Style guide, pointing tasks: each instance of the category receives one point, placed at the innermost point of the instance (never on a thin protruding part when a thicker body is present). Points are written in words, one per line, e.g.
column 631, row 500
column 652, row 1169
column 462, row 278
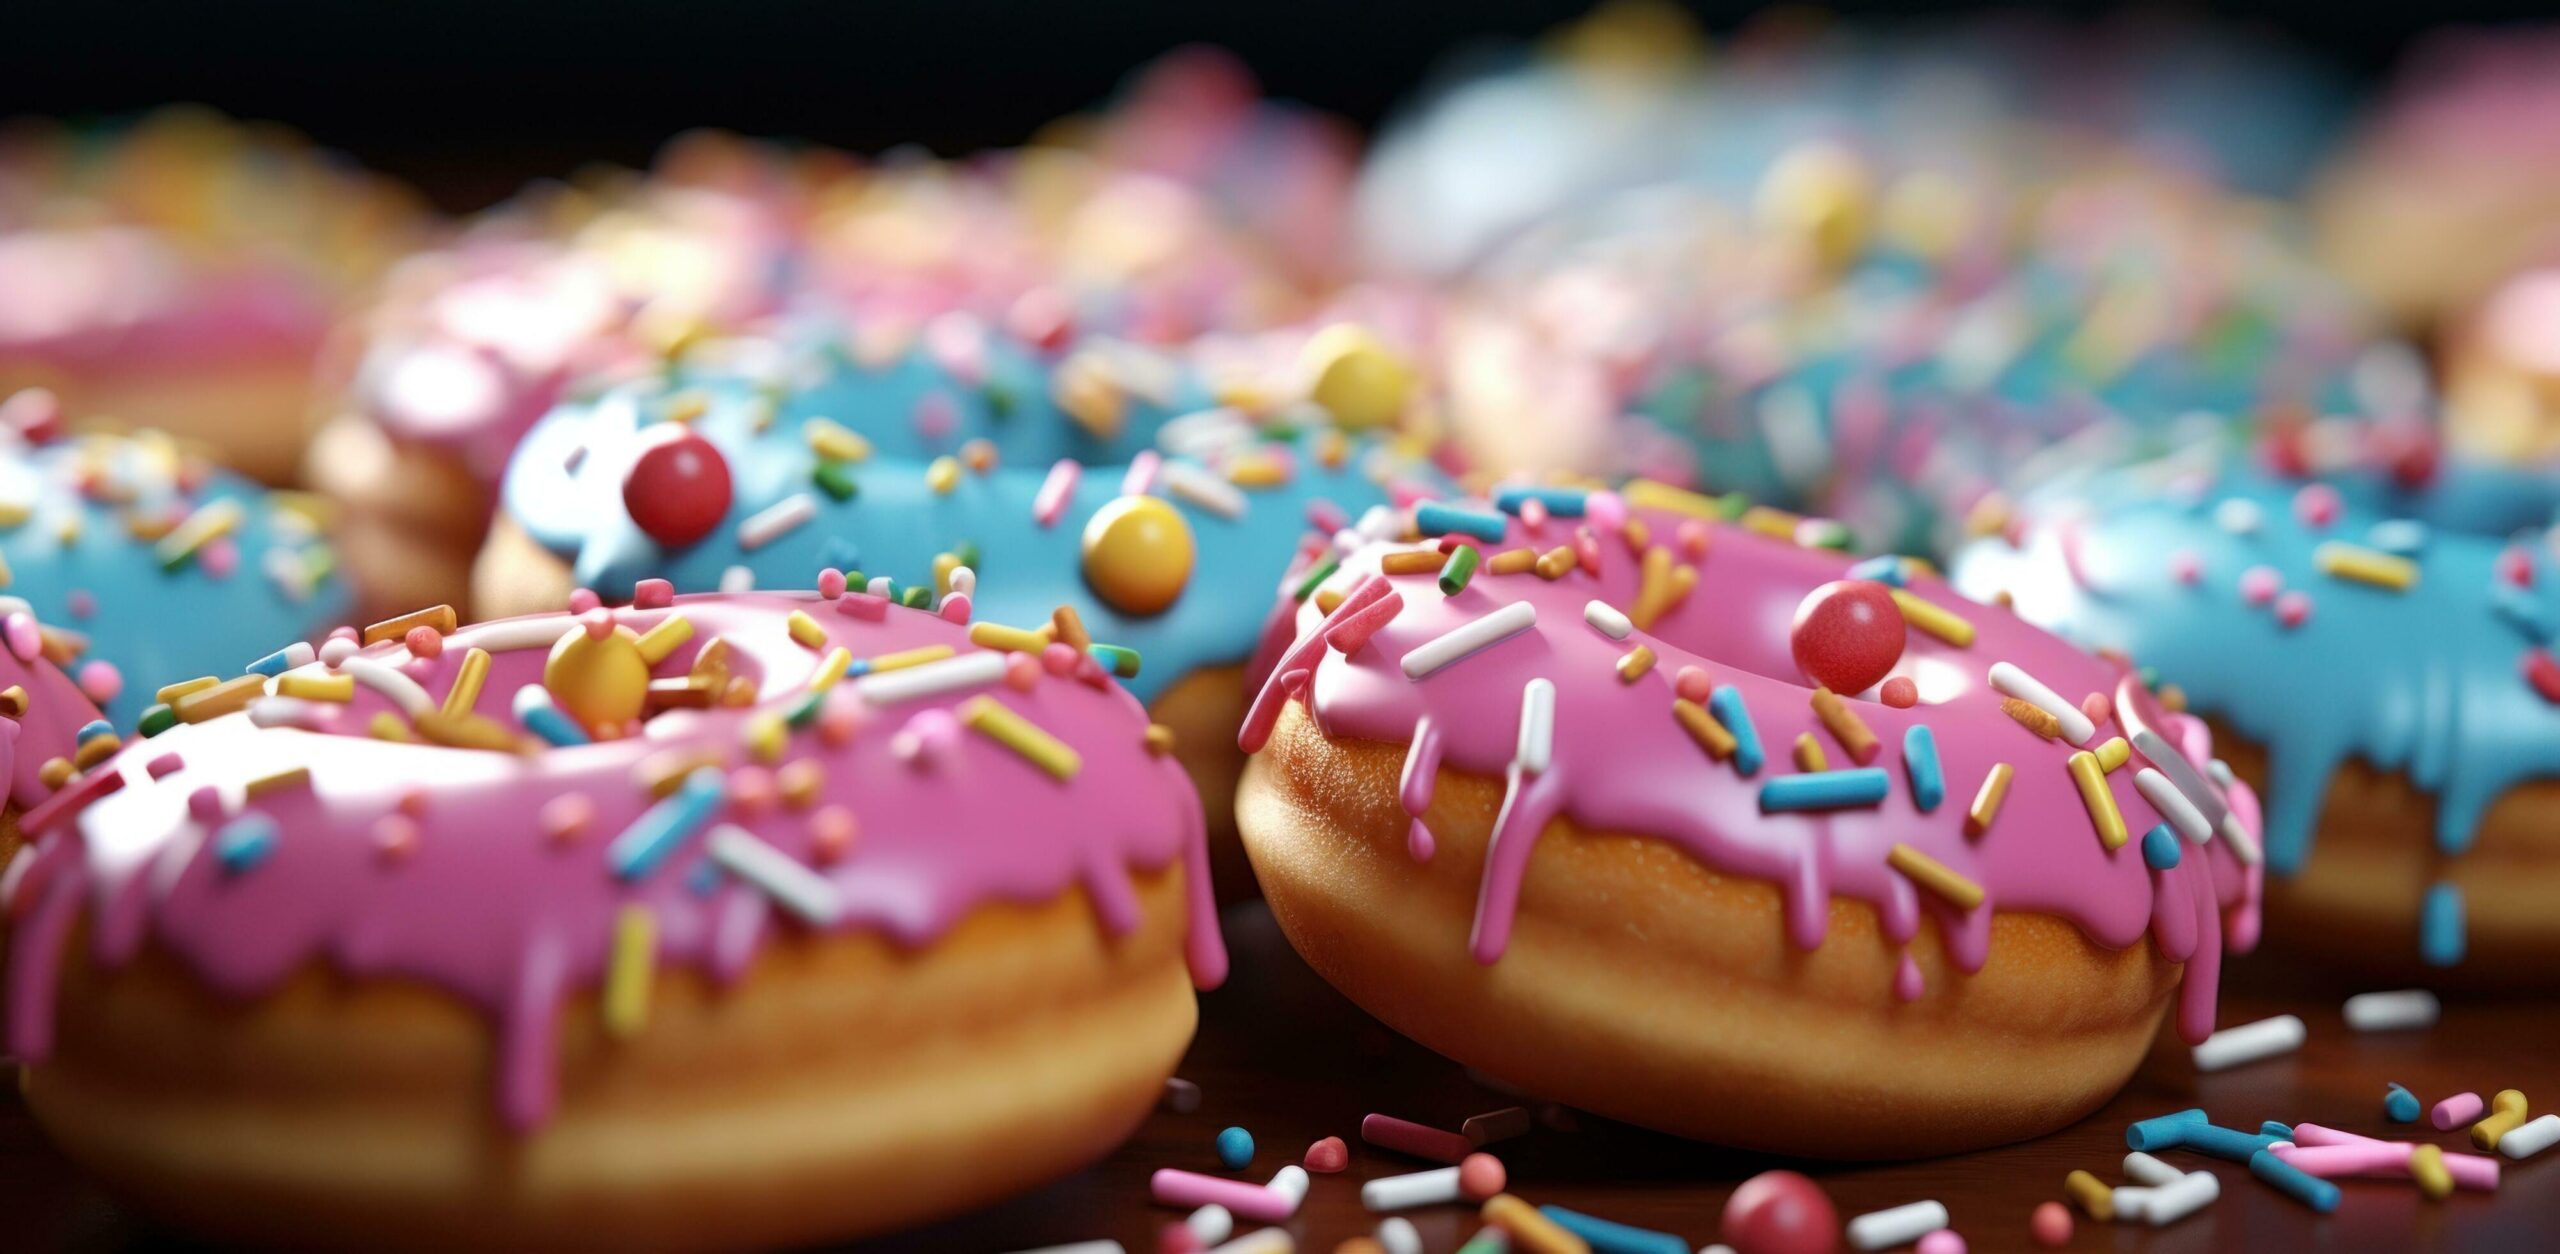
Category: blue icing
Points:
column 2425, row 681
column 898, row 525
column 156, row 626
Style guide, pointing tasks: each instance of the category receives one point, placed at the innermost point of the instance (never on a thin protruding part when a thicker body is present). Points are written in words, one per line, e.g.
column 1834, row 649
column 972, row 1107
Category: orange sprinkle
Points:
column 1809, row 756
column 1413, row 562
column 2032, row 718
column 440, row 617
column 1633, row 666
column 1703, row 727
column 1845, row 726
column 1513, row 561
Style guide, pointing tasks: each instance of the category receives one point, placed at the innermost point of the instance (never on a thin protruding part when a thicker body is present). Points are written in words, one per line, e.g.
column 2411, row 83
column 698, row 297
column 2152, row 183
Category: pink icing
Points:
column 1620, row 761
column 449, row 866
column 50, row 727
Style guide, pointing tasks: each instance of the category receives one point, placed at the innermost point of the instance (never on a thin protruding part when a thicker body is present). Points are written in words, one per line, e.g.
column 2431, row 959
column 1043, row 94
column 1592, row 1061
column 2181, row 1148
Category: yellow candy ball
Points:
column 1357, row 379
column 602, row 682
column 1137, row 554
column 1822, row 194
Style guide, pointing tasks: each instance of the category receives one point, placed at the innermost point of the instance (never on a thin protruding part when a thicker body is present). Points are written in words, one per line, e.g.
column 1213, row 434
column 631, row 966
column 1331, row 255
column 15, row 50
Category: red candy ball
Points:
column 1847, row 635
column 1780, row 1212
column 678, row 488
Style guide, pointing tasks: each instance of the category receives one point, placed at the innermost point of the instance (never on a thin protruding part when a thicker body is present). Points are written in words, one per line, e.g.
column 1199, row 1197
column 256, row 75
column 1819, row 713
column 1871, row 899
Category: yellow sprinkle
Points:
column 1413, row 562
column 2508, row 1112
column 219, row 699
column 6, row 578
column 687, row 406
column 467, row 678
column 2033, row 717
column 1159, row 739
column 1809, row 756
column 440, row 617
column 14, row 514
column 978, row 455
column 54, row 773
column 1988, row 517
column 2092, row 1194
column 765, row 734
column 1844, row 725
column 1986, row 801
column 387, row 726
column 1010, row 639
column 660, row 773
column 943, row 565
column 465, row 731
column 2113, row 754
column 13, row 701
column 1704, row 728
column 279, row 781
column 669, row 635
column 1777, row 524
column 1328, row 599
column 313, row 686
column 1257, row 472
column 626, row 981
column 1530, row 1229
column 1934, row 875
column 211, row 521
column 835, row 441
column 905, row 658
column 1651, row 494
column 2100, row 800
column 1556, row 563
column 1933, row 619
column 1638, row 536
column 1633, row 666
column 988, row 717
column 2426, row 1166
column 942, row 475
column 806, row 629
column 2354, row 561
column 93, row 751
column 831, row 671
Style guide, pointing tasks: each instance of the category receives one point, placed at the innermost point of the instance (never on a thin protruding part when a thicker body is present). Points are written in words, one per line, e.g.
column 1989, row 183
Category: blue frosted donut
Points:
column 169, row 568
column 2345, row 620
column 900, row 464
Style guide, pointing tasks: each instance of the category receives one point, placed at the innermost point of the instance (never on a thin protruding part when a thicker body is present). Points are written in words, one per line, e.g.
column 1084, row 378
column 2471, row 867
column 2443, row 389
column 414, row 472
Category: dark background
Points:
column 468, row 98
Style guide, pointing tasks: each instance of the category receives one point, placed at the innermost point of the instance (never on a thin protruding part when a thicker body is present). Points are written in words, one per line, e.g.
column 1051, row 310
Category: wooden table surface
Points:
column 1284, row 1056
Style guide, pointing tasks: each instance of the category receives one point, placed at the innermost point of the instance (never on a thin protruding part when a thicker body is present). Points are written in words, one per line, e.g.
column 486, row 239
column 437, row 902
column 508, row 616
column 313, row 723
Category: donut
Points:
column 148, row 566
column 1589, row 825
column 49, row 730
column 1101, row 475
column 724, row 921
column 183, row 272
column 2369, row 631
column 470, row 343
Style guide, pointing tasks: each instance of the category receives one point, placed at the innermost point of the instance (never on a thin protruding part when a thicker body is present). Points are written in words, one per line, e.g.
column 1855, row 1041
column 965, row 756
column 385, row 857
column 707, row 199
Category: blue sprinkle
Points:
column 1434, row 518
column 2160, row 847
column 704, row 879
column 2294, row 1182
column 2404, row 536
column 1726, row 704
column 1561, row 502
column 2278, row 1130
column 1887, row 569
column 2520, row 610
column 2400, row 1105
column 272, row 665
column 554, row 727
column 1235, row 1148
column 2162, row 1132
column 1607, row 1237
column 1823, row 790
column 2221, row 1142
column 2440, row 926
column 661, row 827
column 1920, row 762
column 245, row 842
column 93, row 729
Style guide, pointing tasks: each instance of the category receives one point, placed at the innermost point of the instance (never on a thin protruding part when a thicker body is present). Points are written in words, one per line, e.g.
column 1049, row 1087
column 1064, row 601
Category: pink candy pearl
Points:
column 2259, row 584
column 1059, row 658
column 1693, row 684
column 2051, row 1225
column 582, row 600
column 2293, row 609
column 1021, row 672
column 1943, row 1241
column 955, row 608
column 2099, row 708
column 831, row 583
column 2185, row 566
column 2317, row 505
column 1533, row 513
column 83, row 603
column 100, row 681
column 425, row 642
column 1606, row 510
column 25, row 641
column 219, row 557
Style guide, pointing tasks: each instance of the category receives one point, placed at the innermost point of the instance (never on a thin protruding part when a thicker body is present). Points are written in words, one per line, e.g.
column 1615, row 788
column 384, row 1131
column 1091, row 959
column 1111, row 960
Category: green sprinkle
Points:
column 967, row 552
column 1122, row 661
column 1734, row 505
column 916, row 597
column 835, row 479
column 1460, row 568
column 1001, row 401
column 1323, row 571
column 157, row 719
column 805, row 710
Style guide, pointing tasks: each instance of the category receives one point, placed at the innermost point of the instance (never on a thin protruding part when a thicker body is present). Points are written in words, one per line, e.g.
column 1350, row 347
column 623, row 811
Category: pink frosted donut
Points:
column 1756, row 913
column 731, row 921
column 50, row 731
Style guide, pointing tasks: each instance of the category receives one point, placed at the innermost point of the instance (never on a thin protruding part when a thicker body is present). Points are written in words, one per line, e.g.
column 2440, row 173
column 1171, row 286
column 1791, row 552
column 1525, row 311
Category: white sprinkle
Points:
column 2204, row 797
column 2242, row 842
column 1422, row 1188
column 964, row 581
column 396, row 687
column 2250, row 1042
column 881, row 586
column 1140, row 478
column 737, row 579
column 2142, row 1168
column 2172, row 805
column 2535, row 1136
column 774, row 521
column 2010, row 681
column 335, row 651
column 792, row 886
column 1606, row 619
column 299, row 653
column 932, row 679
column 509, row 635
column 2391, row 1012
column 1050, row 502
column 2170, row 1202
column 1380, row 523
column 1466, row 638
column 2238, row 516
column 1902, row 1225
column 1203, row 432
column 284, row 712
column 1201, row 488
column 1291, row 1182
column 1210, row 1224
column 1399, row 1237
column 1537, row 726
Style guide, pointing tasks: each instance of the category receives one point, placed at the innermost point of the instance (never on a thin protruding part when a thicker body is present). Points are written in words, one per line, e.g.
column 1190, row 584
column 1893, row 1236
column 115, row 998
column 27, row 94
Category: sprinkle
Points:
column 1931, row 874
column 942, row 474
column 1536, row 747
column 1726, row 703
column 171, row 693
column 1187, row 1189
column 987, row 635
column 2160, row 847
column 1355, row 628
column 1450, row 646
column 1556, row 563
column 2392, row 1012
column 211, row 521
column 1606, row 619
column 523, row 633
column 831, row 669
column 1413, row 562
column 1651, row 494
column 2098, row 798
column 1187, row 482
column 626, row 981
column 1435, row 518
column 2091, row 1195
column 2341, row 560
column 2248, row 1043
column 245, row 842
column 440, row 617
column 1635, row 664
column 1561, row 502
column 1902, row 1225
column 2529, row 1139
column 1933, row 619
column 1419, row 1140
column 2011, row 681
column 1830, row 790
column 2294, row 1182
column 216, row 700
column 835, row 442
column 1050, row 503
column 467, row 679
column 1886, row 569
column 671, row 633
column 1845, row 726
column 988, row 717
column 1702, row 727
column 2454, row 1111
column 2441, row 940
column 1315, row 577
column 296, row 654
column 534, row 709
column 1514, row 561
column 651, row 837
column 305, row 686
column 1460, row 567
column 904, row 659
column 776, row 520
column 1920, row 763
column 2507, row 1112
column 1069, row 627
column 806, row 630
column 809, row 896
column 1809, row 755
column 1610, row 1237
column 1496, row 1125
column 393, row 684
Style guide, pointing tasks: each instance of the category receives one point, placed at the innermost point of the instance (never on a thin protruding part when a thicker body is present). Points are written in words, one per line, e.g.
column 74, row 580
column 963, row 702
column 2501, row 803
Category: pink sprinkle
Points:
column 425, row 642
column 1059, row 658
column 863, row 605
column 1900, row 693
column 958, row 344
column 1021, row 672
column 652, row 594
column 2317, row 504
column 1326, row 517
column 204, row 805
column 100, row 681
column 2099, row 709
column 1352, row 631
column 165, row 765
column 1943, row 1241
column 2259, row 584
column 598, row 623
column 582, row 600
column 2186, row 566
column 2293, row 609
column 82, row 603
column 1533, row 513
column 955, row 608
column 1187, row 1190
column 2515, row 565
column 1586, row 551
column 1050, row 502
column 831, row 583
column 2457, row 1110
column 219, row 557
column 1407, row 1137
column 1328, row 1156
column 566, row 815
column 1606, row 510
column 1141, row 476
column 1693, row 684
column 25, row 641
column 926, row 738
column 936, row 414
column 750, row 790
